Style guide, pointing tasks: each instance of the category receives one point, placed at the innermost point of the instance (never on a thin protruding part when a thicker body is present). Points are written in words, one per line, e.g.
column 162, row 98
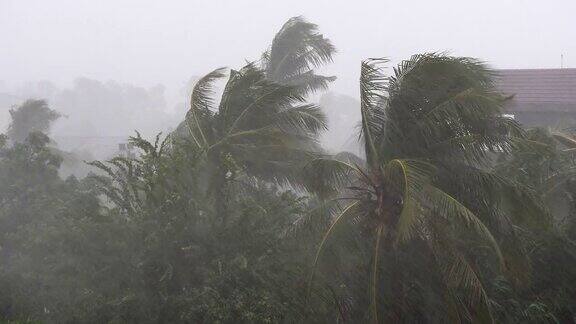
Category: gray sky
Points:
column 149, row 42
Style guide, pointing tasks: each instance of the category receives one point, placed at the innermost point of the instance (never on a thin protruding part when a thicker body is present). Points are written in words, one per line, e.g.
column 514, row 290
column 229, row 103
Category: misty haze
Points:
column 259, row 161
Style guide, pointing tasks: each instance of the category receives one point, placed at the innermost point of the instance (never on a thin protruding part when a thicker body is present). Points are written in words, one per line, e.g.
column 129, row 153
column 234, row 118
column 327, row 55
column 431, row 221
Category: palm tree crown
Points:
column 428, row 131
column 297, row 49
column 262, row 126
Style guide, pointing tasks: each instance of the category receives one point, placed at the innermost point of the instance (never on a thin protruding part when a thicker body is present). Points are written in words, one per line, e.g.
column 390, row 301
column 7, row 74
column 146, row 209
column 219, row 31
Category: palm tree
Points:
column 430, row 132
column 259, row 129
column 262, row 127
column 297, row 49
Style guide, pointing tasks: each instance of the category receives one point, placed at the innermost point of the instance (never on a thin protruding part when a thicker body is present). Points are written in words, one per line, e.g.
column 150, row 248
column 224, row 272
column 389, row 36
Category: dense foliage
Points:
column 454, row 213
column 31, row 116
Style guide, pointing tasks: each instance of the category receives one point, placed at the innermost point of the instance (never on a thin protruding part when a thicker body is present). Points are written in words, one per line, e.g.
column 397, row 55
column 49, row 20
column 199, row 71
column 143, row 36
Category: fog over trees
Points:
column 260, row 192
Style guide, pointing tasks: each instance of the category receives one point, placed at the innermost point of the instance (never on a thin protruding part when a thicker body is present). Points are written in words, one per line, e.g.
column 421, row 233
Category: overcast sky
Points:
column 150, row 42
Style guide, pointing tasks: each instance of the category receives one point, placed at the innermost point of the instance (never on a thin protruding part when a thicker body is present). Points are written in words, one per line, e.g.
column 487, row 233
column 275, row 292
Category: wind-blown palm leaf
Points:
column 437, row 99
column 565, row 139
column 410, row 178
column 372, row 88
column 201, row 103
column 459, row 273
column 297, row 49
column 345, row 212
column 310, row 82
column 308, row 118
column 326, row 177
column 450, row 208
column 254, row 96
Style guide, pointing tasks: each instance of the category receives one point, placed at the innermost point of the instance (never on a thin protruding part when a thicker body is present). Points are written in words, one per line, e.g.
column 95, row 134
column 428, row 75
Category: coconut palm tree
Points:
column 259, row 129
column 262, row 127
column 297, row 49
column 424, row 191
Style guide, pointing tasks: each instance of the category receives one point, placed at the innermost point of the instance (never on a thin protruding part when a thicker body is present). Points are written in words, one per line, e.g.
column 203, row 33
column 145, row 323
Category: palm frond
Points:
column 201, row 103
column 326, row 177
column 565, row 139
column 372, row 93
column 306, row 119
column 309, row 82
column 448, row 207
column 410, row 177
column 345, row 212
column 297, row 48
column 270, row 99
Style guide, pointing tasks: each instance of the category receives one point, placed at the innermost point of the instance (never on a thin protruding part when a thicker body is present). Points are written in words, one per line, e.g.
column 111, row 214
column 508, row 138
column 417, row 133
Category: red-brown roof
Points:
column 539, row 89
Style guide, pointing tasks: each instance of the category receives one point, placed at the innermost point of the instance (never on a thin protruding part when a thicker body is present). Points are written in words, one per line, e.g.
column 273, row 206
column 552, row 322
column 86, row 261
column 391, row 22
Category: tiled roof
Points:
column 539, row 89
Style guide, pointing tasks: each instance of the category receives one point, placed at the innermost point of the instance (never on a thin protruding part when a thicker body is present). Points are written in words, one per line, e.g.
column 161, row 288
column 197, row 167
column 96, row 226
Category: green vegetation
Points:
column 453, row 214
column 31, row 116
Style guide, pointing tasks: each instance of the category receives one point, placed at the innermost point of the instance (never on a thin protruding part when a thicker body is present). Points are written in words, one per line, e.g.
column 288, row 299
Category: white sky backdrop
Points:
column 149, row 42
